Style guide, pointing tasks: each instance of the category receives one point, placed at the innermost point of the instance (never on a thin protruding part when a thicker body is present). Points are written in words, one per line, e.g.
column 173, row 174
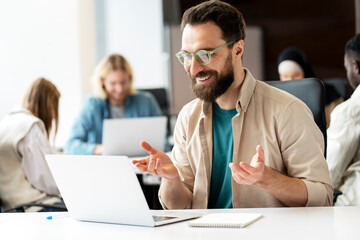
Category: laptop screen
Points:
column 122, row 136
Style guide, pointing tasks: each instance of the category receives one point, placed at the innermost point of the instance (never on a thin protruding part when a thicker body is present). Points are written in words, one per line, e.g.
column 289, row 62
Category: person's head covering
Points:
column 289, row 66
column 297, row 56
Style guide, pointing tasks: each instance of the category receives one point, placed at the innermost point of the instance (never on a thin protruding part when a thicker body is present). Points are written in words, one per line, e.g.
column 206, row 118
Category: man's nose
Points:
column 194, row 67
column 119, row 87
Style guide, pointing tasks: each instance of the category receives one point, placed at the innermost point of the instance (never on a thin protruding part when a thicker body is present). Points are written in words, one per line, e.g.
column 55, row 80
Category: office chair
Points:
column 339, row 85
column 161, row 97
column 22, row 207
column 311, row 91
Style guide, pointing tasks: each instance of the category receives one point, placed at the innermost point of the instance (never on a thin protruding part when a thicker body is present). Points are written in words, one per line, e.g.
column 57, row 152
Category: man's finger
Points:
column 239, row 179
column 148, row 148
column 151, row 165
column 158, row 166
column 238, row 169
column 260, row 153
column 140, row 167
column 246, row 168
column 141, row 161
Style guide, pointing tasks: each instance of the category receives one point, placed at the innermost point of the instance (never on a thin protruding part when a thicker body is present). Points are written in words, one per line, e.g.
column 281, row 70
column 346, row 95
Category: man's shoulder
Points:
column 264, row 91
column 190, row 111
column 93, row 101
column 350, row 109
column 139, row 94
column 93, row 105
column 274, row 96
column 192, row 106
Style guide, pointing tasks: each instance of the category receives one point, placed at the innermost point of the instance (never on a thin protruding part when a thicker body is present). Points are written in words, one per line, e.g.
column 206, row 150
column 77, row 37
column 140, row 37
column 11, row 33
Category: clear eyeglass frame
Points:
column 202, row 56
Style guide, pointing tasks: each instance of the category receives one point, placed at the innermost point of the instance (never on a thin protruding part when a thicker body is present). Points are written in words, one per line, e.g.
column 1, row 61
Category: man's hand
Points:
column 98, row 150
column 289, row 190
column 157, row 164
column 250, row 174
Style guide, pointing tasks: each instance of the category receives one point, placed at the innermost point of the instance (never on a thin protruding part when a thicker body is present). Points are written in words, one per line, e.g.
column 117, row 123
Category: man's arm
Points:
column 291, row 191
column 174, row 193
column 342, row 142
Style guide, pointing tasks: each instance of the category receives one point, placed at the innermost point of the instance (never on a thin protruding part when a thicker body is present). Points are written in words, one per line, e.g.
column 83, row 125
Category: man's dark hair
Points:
column 352, row 47
column 227, row 17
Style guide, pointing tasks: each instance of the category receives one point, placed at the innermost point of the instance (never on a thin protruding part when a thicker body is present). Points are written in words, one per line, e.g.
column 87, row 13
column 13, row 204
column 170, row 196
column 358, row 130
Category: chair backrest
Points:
column 161, row 97
column 339, row 85
column 312, row 92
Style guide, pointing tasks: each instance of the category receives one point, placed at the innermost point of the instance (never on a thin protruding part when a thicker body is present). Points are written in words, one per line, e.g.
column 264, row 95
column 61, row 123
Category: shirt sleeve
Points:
column 33, row 149
column 179, row 159
column 342, row 145
column 79, row 142
column 302, row 149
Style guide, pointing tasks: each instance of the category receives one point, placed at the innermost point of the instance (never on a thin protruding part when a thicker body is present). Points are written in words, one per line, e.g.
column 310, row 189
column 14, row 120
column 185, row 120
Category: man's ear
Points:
column 239, row 47
column 357, row 66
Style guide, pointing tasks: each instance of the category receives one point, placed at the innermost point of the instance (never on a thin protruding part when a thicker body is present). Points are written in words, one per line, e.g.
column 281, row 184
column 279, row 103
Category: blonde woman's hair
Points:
column 42, row 100
column 110, row 63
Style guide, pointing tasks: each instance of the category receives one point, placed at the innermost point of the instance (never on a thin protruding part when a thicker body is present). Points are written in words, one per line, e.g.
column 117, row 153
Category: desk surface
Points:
column 277, row 223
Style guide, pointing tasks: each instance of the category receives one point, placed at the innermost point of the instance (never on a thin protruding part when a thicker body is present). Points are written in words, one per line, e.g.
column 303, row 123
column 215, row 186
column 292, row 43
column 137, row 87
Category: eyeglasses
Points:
column 202, row 56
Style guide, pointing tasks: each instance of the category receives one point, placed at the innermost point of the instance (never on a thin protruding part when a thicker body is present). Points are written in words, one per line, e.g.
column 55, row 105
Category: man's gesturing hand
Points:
column 244, row 173
column 157, row 164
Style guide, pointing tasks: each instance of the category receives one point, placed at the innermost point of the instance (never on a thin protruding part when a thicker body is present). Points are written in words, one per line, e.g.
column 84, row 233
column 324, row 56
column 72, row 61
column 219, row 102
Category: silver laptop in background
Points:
column 106, row 189
column 122, row 136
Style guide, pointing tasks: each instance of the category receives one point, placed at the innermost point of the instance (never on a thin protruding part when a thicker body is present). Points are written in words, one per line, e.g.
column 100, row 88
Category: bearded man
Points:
column 241, row 143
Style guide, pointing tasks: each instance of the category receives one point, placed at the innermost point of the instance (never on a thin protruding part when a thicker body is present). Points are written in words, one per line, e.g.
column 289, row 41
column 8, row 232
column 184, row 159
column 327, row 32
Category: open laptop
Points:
column 122, row 136
column 106, row 189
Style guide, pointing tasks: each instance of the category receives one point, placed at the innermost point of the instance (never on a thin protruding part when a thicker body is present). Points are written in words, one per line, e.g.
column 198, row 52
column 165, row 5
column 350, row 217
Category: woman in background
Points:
column 293, row 64
column 24, row 174
column 114, row 97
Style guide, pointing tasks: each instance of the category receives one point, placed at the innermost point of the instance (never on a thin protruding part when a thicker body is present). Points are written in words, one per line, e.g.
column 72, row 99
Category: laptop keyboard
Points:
column 161, row 218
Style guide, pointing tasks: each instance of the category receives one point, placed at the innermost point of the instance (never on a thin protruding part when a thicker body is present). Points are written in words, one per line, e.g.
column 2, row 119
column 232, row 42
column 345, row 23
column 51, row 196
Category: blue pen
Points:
column 56, row 216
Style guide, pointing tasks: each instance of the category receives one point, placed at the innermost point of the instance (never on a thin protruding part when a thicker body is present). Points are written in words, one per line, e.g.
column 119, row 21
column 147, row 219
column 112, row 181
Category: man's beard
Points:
column 210, row 92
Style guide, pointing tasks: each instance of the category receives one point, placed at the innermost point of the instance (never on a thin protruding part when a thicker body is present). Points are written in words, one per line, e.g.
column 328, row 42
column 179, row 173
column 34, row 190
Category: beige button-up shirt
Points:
column 281, row 123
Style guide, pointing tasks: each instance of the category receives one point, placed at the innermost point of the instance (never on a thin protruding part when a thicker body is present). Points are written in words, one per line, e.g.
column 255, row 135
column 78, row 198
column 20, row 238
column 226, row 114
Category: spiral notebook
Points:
column 225, row 220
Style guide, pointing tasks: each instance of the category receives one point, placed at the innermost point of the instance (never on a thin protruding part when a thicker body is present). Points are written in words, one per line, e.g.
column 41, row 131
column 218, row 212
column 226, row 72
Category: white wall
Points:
column 57, row 40
column 51, row 39
column 135, row 30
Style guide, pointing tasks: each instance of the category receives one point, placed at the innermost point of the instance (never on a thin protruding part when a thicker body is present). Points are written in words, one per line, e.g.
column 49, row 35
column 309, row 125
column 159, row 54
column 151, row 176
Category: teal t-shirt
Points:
column 223, row 142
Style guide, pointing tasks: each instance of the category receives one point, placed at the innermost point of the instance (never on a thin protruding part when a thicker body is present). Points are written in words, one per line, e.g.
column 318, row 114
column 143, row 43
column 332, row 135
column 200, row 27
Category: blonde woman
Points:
column 24, row 174
column 114, row 97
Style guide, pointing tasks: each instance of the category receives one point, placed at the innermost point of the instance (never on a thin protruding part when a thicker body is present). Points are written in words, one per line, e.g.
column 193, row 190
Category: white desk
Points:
column 324, row 223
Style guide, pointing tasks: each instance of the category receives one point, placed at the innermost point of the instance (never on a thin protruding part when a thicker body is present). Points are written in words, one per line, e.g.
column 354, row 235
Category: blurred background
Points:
column 63, row 40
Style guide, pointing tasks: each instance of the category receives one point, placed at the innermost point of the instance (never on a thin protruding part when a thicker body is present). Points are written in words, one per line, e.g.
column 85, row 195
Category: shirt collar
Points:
column 356, row 93
column 246, row 91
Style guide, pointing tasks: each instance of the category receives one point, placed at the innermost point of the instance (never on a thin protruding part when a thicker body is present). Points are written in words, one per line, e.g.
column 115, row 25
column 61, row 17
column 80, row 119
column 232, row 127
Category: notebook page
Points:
column 225, row 220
